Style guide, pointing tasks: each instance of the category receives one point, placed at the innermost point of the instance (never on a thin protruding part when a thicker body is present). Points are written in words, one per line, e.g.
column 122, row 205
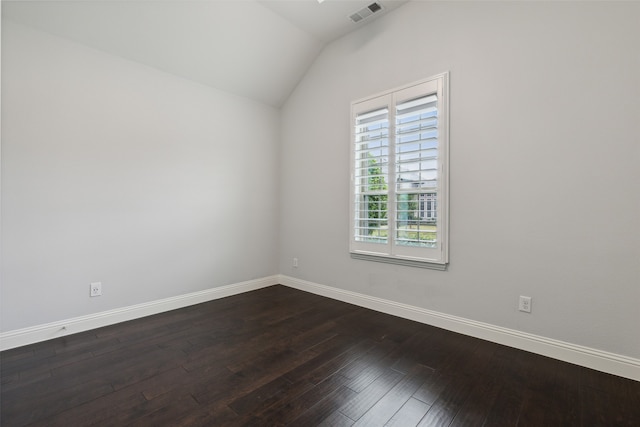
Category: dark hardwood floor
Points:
column 279, row 356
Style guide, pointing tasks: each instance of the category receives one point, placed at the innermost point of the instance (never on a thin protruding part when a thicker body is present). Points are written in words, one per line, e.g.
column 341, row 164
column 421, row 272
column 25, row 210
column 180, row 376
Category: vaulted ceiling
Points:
column 259, row 49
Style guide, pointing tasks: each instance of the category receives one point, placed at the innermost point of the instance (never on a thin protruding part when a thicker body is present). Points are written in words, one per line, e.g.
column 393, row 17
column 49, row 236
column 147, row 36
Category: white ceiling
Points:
column 254, row 48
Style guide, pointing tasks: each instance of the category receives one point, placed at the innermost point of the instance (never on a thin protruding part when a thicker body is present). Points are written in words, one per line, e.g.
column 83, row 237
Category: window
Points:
column 399, row 187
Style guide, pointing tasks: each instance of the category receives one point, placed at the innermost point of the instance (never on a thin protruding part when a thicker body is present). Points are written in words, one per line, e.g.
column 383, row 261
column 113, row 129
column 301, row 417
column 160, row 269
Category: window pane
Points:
column 371, row 219
column 371, row 176
column 416, row 169
column 416, row 220
column 372, row 150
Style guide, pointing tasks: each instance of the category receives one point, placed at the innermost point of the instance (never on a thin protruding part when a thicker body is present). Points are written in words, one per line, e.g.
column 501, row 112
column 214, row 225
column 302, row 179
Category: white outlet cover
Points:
column 95, row 289
column 525, row 304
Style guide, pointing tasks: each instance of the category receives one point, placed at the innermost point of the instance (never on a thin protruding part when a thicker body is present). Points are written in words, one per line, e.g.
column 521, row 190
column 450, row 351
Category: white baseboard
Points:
column 612, row 363
column 20, row 337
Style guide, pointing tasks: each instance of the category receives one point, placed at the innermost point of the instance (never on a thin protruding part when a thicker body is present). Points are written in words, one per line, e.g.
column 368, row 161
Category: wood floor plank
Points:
column 601, row 408
column 213, row 415
column 165, row 414
column 94, row 412
column 477, row 406
column 326, row 365
column 365, row 369
column 545, row 399
column 172, row 380
column 409, row 415
column 25, row 411
column 398, row 395
column 470, row 370
column 324, row 408
column 336, row 419
column 363, row 401
column 507, row 406
column 431, row 389
column 265, row 396
column 292, row 407
column 445, row 408
column 278, row 356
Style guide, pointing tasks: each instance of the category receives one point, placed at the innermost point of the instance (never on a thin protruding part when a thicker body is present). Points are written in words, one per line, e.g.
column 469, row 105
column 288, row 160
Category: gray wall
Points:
column 545, row 118
column 116, row 172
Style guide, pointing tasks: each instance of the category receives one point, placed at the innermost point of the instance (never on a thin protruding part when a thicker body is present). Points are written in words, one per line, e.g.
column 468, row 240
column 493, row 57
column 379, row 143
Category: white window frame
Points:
column 427, row 257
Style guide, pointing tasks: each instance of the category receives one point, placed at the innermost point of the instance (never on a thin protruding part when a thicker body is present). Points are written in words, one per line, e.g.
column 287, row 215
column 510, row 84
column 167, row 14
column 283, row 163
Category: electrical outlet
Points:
column 295, row 263
column 95, row 289
column 525, row 304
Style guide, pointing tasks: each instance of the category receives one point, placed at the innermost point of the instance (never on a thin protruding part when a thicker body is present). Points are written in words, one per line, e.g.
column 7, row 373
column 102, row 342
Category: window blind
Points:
column 371, row 176
column 416, row 159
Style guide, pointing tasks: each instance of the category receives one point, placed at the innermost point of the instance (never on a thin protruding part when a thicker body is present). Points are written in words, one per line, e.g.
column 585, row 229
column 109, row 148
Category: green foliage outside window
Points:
column 377, row 203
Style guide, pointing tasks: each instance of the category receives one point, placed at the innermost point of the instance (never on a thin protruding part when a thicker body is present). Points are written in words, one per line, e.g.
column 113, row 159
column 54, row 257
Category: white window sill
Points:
column 399, row 261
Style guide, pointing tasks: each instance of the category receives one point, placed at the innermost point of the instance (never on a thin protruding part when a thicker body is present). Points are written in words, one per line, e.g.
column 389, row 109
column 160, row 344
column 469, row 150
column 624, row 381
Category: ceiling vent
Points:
column 366, row 12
